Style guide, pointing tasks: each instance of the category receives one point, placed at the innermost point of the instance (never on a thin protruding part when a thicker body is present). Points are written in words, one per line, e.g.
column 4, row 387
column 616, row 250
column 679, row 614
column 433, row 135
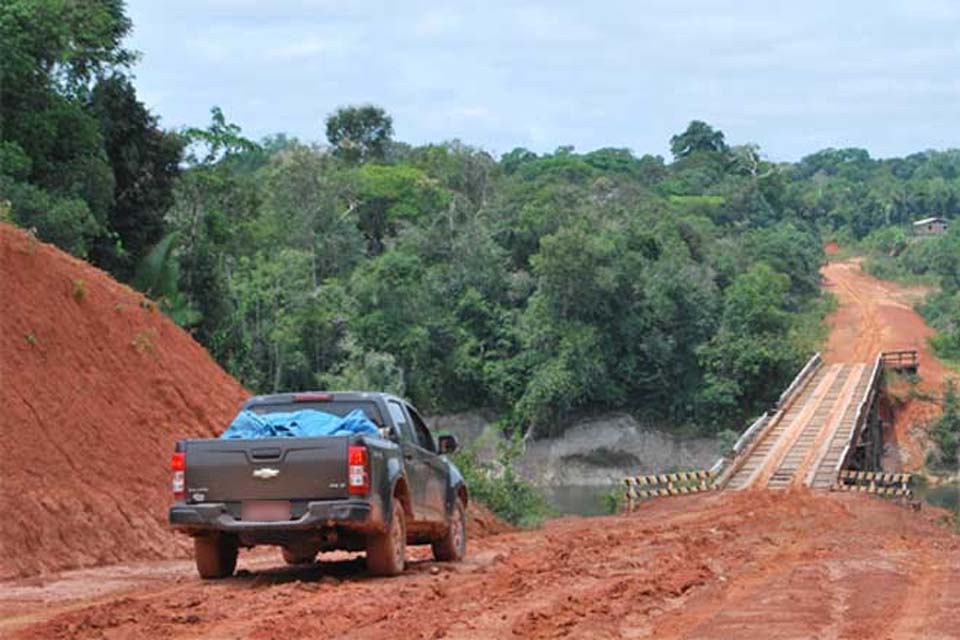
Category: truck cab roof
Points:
column 319, row 397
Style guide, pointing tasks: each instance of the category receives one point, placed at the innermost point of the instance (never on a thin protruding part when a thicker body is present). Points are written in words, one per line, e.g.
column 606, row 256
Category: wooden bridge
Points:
column 825, row 422
column 824, row 425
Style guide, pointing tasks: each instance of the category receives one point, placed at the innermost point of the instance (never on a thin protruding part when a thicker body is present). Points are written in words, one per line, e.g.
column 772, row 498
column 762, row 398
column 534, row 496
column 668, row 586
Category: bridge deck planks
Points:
column 807, row 439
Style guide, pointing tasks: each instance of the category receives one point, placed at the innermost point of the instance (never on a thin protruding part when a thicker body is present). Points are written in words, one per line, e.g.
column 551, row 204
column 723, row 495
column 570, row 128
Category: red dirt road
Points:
column 874, row 316
column 733, row 565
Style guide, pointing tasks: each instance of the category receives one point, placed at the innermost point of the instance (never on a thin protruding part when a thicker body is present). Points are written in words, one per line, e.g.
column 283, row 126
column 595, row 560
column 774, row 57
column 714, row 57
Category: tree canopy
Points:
column 541, row 285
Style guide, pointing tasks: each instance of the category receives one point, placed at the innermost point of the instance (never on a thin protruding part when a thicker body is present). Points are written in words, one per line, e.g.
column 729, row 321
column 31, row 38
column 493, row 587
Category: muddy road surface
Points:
column 732, row 565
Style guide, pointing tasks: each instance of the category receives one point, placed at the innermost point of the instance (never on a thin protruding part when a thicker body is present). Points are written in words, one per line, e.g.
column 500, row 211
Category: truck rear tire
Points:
column 216, row 556
column 453, row 545
column 386, row 552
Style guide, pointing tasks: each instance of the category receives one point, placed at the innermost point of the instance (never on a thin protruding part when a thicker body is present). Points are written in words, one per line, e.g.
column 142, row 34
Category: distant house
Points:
column 930, row 226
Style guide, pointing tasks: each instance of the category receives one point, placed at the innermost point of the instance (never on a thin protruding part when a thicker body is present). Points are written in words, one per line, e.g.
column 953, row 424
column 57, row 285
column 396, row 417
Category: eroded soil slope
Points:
column 95, row 387
column 733, row 565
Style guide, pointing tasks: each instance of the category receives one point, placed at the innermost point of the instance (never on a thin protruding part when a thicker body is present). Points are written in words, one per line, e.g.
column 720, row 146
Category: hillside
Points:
column 96, row 386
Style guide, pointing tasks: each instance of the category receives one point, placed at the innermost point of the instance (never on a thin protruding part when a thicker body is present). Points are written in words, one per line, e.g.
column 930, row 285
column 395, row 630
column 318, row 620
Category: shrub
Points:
column 614, row 500
column 498, row 486
column 946, row 430
column 727, row 438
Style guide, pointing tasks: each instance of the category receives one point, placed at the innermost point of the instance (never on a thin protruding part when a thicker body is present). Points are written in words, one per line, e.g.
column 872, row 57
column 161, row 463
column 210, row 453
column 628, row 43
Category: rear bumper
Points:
column 357, row 515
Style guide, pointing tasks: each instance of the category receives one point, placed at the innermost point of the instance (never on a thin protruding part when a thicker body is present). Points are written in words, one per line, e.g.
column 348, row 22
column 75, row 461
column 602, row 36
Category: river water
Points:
column 577, row 500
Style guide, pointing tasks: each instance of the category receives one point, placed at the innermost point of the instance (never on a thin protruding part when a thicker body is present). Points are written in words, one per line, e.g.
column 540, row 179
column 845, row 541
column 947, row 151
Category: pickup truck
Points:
column 357, row 492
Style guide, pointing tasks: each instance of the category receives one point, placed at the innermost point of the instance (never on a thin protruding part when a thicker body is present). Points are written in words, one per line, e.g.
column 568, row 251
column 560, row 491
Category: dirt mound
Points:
column 96, row 385
column 481, row 522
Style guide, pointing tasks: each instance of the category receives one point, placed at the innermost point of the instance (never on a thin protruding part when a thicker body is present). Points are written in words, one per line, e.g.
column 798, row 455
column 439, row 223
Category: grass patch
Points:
column 79, row 290
column 143, row 342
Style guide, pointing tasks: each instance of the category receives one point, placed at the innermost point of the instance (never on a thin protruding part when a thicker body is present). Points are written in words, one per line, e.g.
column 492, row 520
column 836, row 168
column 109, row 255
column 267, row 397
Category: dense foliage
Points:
column 852, row 195
column 542, row 285
column 81, row 160
column 935, row 261
column 539, row 285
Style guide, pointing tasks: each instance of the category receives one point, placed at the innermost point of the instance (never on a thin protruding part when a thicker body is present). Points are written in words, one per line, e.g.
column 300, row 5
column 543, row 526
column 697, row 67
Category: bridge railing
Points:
column 901, row 360
column 863, row 413
column 726, row 466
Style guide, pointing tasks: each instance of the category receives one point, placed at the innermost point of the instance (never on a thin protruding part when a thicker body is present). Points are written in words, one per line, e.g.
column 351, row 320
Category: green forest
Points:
column 682, row 289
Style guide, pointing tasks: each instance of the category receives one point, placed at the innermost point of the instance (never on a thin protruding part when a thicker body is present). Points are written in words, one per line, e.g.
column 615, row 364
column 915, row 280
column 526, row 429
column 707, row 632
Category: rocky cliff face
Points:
column 597, row 451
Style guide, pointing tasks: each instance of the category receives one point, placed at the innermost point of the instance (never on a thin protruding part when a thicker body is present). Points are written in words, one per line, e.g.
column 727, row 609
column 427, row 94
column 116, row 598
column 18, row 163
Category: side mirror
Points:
column 447, row 444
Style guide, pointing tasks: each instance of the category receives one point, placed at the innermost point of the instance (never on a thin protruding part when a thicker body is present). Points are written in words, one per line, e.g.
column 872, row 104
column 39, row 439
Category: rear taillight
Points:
column 178, row 464
column 358, row 471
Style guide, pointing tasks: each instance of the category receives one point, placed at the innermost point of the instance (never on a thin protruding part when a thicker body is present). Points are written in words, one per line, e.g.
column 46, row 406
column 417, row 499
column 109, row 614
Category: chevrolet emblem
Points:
column 266, row 473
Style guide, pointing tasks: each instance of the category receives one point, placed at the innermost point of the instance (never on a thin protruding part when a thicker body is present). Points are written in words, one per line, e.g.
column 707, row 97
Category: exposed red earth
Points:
column 96, row 385
column 748, row 564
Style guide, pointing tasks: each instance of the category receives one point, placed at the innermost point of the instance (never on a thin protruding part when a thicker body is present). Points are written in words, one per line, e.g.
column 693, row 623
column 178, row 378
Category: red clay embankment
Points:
column 95, row 387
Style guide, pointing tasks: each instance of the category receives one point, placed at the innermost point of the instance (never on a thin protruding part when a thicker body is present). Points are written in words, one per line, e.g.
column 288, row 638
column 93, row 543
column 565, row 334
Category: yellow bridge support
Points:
column 882, row 484
column 667, row 484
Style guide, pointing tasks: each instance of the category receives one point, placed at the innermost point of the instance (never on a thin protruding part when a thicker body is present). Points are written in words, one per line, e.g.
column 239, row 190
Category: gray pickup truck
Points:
column 358, row 492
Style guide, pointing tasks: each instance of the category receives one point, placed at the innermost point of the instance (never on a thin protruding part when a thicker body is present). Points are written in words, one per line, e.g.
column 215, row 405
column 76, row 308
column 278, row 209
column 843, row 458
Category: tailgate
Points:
column 267, row 469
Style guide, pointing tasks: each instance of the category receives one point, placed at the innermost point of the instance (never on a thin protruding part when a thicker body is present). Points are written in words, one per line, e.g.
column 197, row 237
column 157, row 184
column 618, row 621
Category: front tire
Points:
column 453, row 545
column 216, row 556
column 386, row 552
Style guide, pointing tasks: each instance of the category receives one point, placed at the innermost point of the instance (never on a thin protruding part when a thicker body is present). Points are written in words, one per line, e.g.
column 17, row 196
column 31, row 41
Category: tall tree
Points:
column 359, row 134
column 699, row 136
column 145, row 162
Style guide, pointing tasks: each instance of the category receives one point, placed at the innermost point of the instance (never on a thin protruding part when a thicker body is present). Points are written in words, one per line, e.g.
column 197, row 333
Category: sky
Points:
column 793, row 77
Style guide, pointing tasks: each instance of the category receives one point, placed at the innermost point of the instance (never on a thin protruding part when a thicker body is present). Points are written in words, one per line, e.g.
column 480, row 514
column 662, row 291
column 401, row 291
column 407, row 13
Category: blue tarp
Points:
column 298, row 424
